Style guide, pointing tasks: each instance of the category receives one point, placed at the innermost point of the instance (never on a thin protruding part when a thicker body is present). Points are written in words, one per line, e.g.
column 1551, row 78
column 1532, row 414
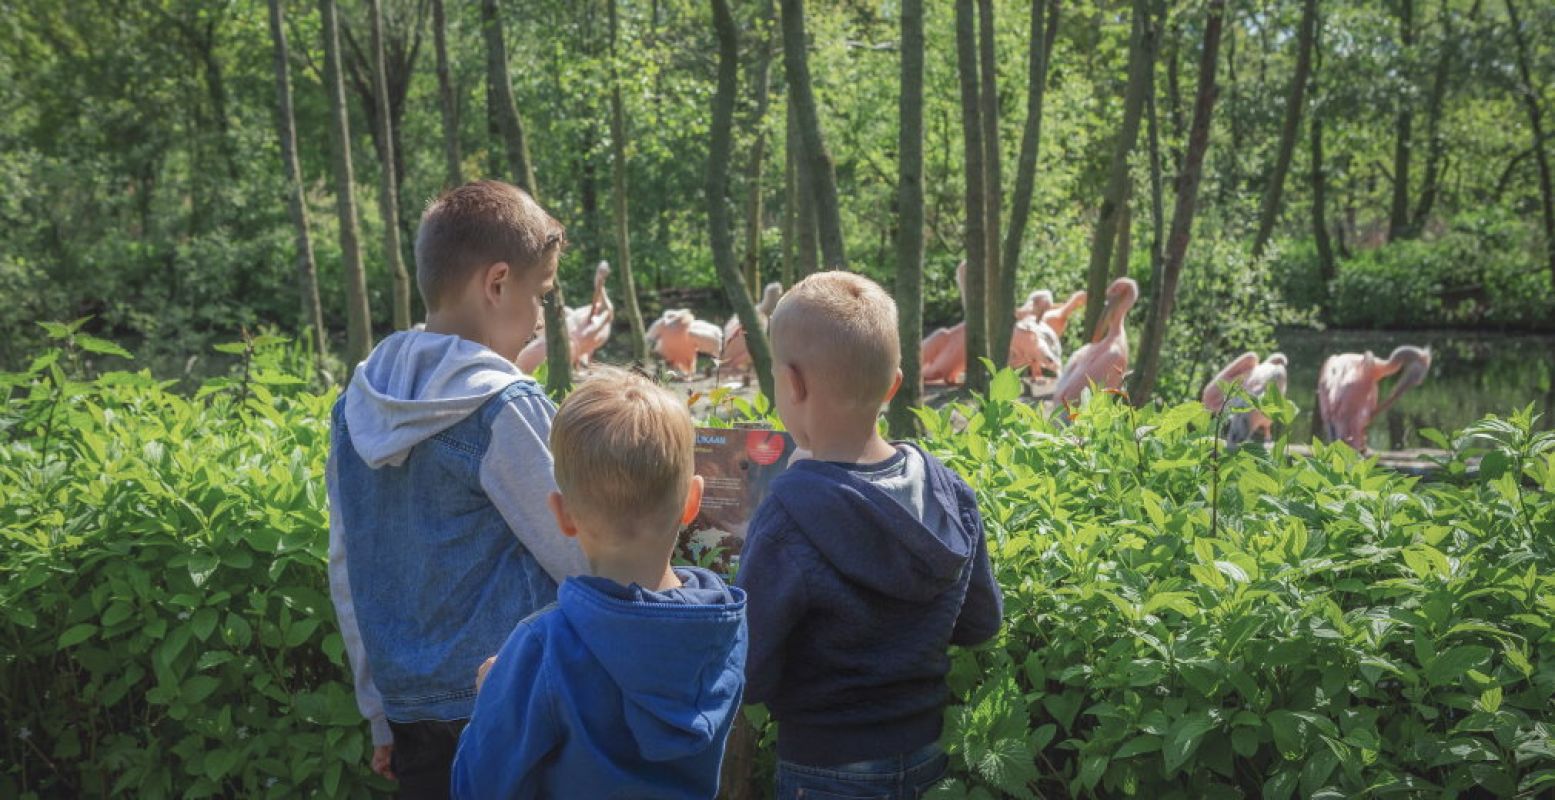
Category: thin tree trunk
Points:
column 634, row 314
column 312, row 316
column 1325, row 250
column 753, row 215
column 1031, row 136
column 719, row 152
column 454, row 175
column 1436, row 143
column 974, row 293
column 790, row 202
column 817, row 164
column 1140, row 64
column 1153, row 131
column 1530, row 93
column 909, row 223
column 1165, row 292
column 1294, row 101
column 1124, row 248
column 558, row 348
column 804, row 205
column 359, row 325
column 388, row 194
column 1398, row 218
column 998, row 282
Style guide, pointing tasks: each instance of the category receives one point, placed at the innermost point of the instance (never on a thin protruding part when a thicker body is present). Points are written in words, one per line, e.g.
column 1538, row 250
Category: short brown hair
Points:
column 476, row 225
column 623, row 447
column 840, row 328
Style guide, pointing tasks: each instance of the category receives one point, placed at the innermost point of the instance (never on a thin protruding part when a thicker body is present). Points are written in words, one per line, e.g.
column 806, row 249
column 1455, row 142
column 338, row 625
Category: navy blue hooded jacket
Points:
column 853, row 604
column 615, row 691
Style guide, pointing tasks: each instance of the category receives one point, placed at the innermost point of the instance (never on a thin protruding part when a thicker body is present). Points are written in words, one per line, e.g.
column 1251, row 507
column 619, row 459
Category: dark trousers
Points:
column 424, row 757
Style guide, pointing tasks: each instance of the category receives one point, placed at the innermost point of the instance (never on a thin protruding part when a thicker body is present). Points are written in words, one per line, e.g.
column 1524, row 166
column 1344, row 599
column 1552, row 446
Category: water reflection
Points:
column 1472, row 374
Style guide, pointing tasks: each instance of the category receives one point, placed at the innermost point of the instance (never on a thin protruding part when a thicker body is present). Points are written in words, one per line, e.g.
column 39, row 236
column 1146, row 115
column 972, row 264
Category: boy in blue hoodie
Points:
column 627, row 686
column 863, row 565
column 440, row 540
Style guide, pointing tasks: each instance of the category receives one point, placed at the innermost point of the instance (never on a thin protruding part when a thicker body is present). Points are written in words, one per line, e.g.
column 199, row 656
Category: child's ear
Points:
column 564, row 521
column 693, row 501
column 896, row 386
column 492, row 281
column 796, row 386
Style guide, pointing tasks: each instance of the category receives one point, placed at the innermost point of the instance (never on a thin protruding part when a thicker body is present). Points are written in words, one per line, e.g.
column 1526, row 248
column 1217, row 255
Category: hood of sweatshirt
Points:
column 686, row 637
column 873, row 540
column 414, row 385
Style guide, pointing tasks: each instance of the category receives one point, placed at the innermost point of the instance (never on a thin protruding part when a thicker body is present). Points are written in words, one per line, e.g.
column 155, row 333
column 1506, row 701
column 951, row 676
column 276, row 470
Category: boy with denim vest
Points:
column 438, row 474
column 863, row 565
column 626, row 686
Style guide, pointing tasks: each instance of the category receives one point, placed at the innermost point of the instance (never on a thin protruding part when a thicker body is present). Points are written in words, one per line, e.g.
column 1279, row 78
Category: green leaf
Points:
column 197, row 688
column 1452, row 664
column 92, row 344
column 1004, row 387
column 76, row 635
column 203, row 622
column 1184, row 738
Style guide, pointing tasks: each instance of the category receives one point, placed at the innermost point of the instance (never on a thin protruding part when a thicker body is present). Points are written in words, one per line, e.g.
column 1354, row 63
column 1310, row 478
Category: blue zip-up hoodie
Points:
column 440, row 538
column 853, row 604
column 616, row 691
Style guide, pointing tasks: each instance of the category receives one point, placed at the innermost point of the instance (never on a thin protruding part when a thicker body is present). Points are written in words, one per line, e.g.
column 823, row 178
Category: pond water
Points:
column 1472, row 375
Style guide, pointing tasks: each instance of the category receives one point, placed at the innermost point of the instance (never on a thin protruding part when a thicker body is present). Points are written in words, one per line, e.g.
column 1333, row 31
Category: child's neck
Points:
column 651, row 571
column 843, row 447
column 460, row 323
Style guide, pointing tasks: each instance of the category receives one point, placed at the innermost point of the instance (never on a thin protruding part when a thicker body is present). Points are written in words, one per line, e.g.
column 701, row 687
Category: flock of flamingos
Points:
column 1348, row 396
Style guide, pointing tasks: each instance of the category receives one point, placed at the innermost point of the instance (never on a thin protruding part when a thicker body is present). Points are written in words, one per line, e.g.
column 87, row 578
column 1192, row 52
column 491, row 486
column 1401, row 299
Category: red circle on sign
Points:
column 764, row 447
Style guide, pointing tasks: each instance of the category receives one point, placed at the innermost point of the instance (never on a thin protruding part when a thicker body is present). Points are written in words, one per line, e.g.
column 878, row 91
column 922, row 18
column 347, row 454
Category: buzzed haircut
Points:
column 477, row 225
column 624, row 448
column 839, row 328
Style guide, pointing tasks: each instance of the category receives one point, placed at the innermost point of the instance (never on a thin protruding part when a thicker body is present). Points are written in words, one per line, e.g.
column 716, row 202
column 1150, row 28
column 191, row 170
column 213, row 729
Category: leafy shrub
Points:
column 1185, row 623
column 1180, row 622
column 1484, row 269
column 163, row 598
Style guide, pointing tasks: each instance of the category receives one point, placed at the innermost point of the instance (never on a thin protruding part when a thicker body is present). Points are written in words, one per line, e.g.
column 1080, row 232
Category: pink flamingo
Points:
column 736, row 352
column 588, row 327
column 1104, row 360
column 1347, row 390
column 1036, row 343
column 678, row 336
column 1057, row 317
column 1255, row 378
column 943, row 354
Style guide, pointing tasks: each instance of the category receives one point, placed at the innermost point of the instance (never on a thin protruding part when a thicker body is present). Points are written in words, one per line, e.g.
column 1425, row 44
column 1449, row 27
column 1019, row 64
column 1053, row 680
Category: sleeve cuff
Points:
column 382, row 736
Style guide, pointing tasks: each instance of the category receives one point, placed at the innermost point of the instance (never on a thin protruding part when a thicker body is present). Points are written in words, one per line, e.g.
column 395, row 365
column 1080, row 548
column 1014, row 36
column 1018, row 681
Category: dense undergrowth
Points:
column 1181, row 622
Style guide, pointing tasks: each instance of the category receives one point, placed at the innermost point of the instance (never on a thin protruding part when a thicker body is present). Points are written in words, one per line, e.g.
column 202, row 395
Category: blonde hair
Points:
column 623, row 448
column 476, row 225
column 839, row 328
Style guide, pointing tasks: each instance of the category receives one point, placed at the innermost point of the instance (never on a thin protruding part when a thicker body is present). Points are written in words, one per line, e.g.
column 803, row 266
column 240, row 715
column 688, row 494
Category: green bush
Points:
column 1183, row 623
column 163, row 602
column 1485, row 268
column 1180, row 622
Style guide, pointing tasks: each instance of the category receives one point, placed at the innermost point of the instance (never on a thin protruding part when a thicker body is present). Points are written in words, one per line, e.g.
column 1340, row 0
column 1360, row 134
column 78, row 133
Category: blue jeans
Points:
column 904, row 777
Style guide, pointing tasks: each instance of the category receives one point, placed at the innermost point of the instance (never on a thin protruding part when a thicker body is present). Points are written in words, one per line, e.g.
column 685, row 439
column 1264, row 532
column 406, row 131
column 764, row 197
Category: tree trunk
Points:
column 1141, row 59
column 817, row 163
column 388, row 194
column 1031, row 135
column 790, row 203
column 1125, row 244
column 1270, row 210
column 719, row 152
column 909, row 223
column 998, row 281
column 1436, row 143
column 1165, row 292
column 1153, row 131
column 312, row 316
column 974, row 295
column 359, row 324
column 454, row 175
column 1530, row 94
column 634, row 314
column 753, row 215
column 558, row 349
column 1325, row 250
column 804, row 205
column 1398, row 218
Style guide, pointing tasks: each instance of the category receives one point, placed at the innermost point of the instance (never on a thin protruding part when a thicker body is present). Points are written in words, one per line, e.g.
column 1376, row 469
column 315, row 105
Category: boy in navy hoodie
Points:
column 863, row 565
column 627, row 686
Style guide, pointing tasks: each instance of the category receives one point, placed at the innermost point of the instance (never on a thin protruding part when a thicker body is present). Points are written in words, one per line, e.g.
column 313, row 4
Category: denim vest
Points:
column 437, row 577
